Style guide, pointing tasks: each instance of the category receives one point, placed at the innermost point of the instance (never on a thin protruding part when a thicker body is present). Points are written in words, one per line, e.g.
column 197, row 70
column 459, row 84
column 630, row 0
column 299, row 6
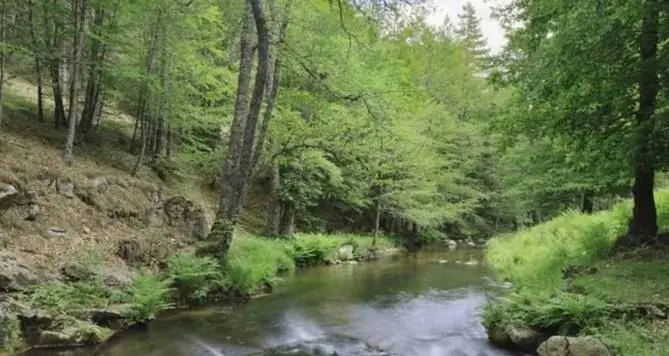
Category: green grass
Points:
column 533, row 259
column 254, row 261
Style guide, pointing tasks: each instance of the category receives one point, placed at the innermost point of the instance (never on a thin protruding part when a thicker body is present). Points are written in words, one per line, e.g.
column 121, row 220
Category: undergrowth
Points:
column 533, row 260
column 253, row 262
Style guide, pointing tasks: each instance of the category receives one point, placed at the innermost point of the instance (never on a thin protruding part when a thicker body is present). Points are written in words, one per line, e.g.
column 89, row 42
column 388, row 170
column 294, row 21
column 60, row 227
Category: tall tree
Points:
column 79, row 16
column 468, row 31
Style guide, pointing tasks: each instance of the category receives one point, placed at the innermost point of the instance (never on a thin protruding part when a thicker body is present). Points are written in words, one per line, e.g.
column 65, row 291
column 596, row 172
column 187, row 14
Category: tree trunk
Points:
column 377, row 217
column 79, row 8
column 287, row 223
column 94, row 82
column 274, row 204
column 643, row 226
column 233, row 182
column 588, row 202
column 38, row 64
column 3, row 54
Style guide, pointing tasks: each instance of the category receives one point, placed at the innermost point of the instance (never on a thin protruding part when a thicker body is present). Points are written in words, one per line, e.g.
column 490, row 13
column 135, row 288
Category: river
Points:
column 426, row 304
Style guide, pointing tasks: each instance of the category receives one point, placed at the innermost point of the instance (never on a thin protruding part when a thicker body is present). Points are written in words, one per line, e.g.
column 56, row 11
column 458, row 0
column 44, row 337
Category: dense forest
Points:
column 352, row 116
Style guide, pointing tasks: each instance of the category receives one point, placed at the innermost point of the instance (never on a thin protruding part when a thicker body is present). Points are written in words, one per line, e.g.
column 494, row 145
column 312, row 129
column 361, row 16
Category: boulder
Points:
column 110, row 276
column 525, row 339
column 345, row 253
column 65, row 186
column 16, row 274
column 115, row 317
column 185, row 216
column 499, row 337
column 573, row 346
column 80, row 334
column 8, row 196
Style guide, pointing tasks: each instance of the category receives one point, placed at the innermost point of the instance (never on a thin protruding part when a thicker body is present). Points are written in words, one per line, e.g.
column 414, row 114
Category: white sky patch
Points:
column 491, row 29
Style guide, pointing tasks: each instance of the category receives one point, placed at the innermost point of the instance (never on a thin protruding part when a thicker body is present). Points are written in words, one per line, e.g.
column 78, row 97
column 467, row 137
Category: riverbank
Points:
column 88, row 311
column 570, row 280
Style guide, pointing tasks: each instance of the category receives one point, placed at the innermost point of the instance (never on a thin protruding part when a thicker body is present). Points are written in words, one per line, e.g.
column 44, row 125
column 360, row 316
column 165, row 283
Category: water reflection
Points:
column 416, row 305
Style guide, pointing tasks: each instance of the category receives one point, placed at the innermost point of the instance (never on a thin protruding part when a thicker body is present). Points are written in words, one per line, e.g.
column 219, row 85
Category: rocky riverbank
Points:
column 87, row 251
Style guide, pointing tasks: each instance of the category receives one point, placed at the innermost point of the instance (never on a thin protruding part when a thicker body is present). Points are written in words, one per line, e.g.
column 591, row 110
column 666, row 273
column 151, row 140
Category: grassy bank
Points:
column 254, row 266
column 615, row 298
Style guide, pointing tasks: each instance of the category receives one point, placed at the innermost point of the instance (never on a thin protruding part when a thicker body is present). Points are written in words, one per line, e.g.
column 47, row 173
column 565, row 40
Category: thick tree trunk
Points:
column 79, row 9
column 643, row 226
column 239, row 162
column 274, row 204
column 588, row 202
column 3, row 55
column 287, row 222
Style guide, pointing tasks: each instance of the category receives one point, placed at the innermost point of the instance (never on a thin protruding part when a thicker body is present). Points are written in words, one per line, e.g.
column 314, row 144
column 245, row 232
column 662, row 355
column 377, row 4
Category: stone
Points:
column 345, row 253
column 573, row 346
column 499, row 337
column 16, row 274
column 114, row 317
column 131, row 252
column 184, row 215
column 65, row 186
column 80, row 334
column 471, row 244
column 56, row 232
column 525, row 339
column 8, row 196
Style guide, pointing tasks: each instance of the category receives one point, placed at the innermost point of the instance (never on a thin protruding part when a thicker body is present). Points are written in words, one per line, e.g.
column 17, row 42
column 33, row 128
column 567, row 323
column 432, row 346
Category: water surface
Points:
column 426, row 304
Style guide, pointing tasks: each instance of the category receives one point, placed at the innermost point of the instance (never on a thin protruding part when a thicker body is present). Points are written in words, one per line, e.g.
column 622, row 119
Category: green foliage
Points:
column 562, row 313
column 11, row 338
column 254, row 261
column 193, row 277
column 572, row 238
column 149, row 296
column 59, row 298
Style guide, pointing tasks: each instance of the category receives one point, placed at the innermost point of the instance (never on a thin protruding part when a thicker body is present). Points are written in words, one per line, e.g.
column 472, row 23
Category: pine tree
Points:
column 469, row 32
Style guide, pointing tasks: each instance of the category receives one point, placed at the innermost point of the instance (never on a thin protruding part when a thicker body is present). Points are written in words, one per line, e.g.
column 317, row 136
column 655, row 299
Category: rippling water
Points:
column 424, row 305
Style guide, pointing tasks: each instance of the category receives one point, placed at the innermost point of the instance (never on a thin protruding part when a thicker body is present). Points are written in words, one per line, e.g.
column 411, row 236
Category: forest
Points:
column 298, row 118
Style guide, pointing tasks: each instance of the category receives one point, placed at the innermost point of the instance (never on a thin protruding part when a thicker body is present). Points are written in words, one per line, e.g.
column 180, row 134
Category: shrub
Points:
column 254, row 261
column 149, row 296
column 11, row 339
column 561, row 313
column 58, row 297
column 193, row 277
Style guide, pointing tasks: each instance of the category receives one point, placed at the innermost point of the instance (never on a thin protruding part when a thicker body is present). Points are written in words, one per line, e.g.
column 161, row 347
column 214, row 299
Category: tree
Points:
column 79, row 15
column 469, row 32
column 599, row 90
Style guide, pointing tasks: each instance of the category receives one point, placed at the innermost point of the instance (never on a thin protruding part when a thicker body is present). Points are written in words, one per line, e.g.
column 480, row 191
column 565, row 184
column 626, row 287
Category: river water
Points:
column 426, row 304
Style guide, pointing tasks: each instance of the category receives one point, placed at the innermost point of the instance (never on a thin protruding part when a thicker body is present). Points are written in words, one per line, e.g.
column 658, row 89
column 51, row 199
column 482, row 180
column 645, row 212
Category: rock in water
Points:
column 345, row 253
column 16, row 274
column 525, row 339
column 573, row 346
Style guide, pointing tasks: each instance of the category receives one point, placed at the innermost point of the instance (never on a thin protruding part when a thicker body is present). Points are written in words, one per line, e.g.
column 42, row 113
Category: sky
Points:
column 491, row 29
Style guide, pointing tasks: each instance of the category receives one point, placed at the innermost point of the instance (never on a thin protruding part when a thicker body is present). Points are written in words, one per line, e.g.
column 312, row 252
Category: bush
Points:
column 562, row 313
column 253, row 262
column 149, row 295
column 58, row 297
column 193, row 277
column 11, row 339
